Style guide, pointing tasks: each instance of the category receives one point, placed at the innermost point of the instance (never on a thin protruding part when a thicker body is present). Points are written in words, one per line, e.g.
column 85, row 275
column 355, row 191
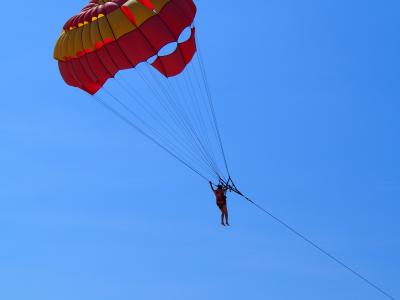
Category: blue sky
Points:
column 307, row 96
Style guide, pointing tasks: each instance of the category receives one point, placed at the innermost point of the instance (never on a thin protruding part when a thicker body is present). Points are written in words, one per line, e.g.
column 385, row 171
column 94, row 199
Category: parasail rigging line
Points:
column 191, row 132
column 234, row 189
column 191, row 68
column 171, row 112
column 194, row 115
column 199, row 112
column 147, row 107
column 183, row 116
column 166, row 106
column 149, row 137
column 173, row 148
column 210, row 100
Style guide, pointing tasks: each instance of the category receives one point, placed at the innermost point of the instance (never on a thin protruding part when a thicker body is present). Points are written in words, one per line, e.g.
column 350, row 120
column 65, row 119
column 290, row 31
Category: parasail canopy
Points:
column 108, row 36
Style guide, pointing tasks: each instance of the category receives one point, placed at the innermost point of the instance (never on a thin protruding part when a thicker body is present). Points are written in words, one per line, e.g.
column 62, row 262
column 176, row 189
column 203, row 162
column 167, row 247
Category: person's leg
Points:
column 226, row 215
column 222, row 216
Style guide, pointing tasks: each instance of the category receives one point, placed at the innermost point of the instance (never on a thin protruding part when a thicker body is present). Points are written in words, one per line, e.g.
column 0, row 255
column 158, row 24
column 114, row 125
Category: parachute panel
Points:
column 174, row 63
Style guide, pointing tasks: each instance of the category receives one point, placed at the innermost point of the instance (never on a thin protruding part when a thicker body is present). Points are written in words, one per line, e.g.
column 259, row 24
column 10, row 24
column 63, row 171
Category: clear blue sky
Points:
column 307, row 94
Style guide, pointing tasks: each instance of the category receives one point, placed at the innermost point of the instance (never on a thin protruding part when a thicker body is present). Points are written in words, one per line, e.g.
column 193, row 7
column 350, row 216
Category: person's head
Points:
column 219, row 186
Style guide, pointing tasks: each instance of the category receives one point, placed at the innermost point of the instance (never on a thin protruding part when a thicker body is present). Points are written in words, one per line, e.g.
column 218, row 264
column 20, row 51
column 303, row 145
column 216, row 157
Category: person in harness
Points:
column 220, row 197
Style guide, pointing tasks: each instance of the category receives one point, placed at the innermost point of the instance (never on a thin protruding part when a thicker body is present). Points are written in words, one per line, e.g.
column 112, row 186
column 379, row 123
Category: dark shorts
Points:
column 221, row 205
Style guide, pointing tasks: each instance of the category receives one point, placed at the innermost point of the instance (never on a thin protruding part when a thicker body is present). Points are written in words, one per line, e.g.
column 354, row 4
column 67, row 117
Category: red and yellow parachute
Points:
column 166, row 96
column 109, row 36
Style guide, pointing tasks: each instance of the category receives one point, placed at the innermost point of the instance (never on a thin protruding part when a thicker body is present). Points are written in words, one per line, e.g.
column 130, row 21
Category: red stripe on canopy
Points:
column 174, row 63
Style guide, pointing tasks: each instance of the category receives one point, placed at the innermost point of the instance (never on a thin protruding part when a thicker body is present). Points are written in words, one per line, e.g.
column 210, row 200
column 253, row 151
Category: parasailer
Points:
column 220, row 197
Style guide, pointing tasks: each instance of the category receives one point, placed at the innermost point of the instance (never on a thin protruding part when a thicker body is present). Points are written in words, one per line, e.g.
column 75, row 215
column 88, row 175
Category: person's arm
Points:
column 211, row 185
